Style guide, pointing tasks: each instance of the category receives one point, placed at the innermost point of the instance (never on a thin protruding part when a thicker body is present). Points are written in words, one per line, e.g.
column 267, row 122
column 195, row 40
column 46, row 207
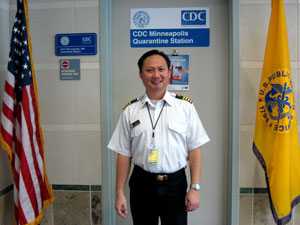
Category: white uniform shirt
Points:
column 178, row 131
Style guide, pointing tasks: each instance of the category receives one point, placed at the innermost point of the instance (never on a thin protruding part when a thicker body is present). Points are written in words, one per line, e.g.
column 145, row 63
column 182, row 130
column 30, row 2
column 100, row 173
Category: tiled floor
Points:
column 74, row 208
column 69, row 208
column 255, row 210
column 48, row 216
column 96, row 208
column 84, row 208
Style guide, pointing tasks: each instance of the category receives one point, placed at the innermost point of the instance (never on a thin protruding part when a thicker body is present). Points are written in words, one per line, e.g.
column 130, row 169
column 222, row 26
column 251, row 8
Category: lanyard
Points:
column 154, row 126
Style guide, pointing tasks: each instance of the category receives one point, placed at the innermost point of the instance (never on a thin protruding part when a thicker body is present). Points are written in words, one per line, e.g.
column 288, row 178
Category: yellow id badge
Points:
column 153, row 156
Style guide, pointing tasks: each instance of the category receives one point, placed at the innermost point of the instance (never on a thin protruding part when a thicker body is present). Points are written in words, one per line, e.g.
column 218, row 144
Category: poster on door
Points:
column 179, row 73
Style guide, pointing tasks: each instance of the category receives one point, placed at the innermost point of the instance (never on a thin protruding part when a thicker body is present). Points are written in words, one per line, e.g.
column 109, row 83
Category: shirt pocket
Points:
column 137, row 130
column 178, row 129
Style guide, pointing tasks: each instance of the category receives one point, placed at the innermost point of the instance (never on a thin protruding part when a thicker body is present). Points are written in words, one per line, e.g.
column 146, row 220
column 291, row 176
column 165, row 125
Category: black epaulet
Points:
column 131, row 102
column 188, row 99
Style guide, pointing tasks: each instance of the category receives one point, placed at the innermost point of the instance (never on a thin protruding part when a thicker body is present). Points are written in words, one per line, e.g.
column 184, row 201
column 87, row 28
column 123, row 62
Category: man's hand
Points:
column 123, row 164
column 121, row 205
column 192, row 200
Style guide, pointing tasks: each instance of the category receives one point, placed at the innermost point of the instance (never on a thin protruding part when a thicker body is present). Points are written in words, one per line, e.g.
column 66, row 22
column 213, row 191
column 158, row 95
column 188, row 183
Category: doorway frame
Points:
column 108, row 161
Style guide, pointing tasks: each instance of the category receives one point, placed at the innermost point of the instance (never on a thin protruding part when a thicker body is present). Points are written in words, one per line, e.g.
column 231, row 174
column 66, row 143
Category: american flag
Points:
column 21, row 133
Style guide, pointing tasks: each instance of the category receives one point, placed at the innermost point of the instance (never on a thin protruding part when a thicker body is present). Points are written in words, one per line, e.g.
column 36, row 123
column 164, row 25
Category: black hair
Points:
column 150, row 53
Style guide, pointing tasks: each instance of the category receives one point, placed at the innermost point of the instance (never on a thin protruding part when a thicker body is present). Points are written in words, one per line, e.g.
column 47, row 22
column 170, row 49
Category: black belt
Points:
column 158, row 177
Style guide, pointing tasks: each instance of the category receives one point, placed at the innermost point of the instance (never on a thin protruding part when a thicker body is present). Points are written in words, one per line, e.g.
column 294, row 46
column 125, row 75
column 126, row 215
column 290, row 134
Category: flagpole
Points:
column 21, row 132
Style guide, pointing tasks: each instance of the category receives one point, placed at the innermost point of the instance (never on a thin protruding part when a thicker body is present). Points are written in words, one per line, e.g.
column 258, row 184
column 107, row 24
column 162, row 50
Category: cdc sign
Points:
column 193, row 17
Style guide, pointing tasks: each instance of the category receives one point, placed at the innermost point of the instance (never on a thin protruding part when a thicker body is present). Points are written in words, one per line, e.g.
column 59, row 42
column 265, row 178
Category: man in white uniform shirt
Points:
column 161, row 134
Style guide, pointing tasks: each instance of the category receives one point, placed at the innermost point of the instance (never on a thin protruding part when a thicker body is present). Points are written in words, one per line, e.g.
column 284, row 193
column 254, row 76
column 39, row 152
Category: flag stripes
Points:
column 21, row 134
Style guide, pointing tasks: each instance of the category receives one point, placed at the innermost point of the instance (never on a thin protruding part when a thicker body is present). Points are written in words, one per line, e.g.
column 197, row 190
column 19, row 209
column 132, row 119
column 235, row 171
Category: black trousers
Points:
column 152, row 198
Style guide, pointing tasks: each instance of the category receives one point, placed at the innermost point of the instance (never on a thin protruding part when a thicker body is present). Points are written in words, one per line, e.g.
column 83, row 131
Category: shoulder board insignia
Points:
column 185, row 98
column 131, row 102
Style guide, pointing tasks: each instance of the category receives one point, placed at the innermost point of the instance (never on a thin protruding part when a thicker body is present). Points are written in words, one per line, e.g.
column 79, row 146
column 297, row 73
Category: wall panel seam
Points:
column 62, row 187
column 265, row 2
column 72, row 127
column 55, row 66
column 61, row 5
column 251, row 64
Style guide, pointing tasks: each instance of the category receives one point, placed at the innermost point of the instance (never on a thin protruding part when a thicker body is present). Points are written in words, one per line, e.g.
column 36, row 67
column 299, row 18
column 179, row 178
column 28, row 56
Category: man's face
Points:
column 155, row 74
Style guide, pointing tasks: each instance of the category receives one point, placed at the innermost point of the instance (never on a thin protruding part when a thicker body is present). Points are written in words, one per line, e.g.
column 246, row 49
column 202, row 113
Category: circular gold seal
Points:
column 276, row 101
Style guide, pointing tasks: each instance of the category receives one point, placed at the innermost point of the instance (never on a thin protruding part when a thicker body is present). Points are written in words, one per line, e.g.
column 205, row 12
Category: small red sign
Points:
column 65, row 64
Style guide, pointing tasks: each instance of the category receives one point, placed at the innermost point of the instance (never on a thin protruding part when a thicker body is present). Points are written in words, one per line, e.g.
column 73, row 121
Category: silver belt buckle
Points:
column 161, row 177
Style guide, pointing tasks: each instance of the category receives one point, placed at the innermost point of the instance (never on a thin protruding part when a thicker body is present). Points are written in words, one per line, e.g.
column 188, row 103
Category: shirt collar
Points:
column 168, row 98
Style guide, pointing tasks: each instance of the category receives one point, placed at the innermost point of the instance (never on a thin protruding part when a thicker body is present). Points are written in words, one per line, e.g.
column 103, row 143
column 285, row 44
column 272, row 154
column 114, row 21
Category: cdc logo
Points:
column 87, row 40
column 194, row 17
column 141, row 19
column 64, row 40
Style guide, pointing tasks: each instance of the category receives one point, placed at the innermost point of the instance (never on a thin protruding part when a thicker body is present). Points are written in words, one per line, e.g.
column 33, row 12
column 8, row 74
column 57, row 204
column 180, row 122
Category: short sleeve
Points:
column 196, row 135
column 120, row 140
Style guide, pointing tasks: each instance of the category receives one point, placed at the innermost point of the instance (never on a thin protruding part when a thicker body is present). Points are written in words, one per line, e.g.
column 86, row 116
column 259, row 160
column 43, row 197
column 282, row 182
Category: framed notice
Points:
column 69, row 69
column 180, row 72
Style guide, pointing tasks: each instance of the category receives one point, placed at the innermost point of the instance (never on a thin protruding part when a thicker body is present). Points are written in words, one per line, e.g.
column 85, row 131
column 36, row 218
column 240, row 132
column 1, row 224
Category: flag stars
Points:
column 19, row 58
column 25, row 66
column 17, row 52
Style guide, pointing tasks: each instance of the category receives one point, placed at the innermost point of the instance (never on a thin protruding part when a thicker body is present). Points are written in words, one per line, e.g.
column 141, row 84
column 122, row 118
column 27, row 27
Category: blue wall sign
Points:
column 74, row 44
column 169, row 27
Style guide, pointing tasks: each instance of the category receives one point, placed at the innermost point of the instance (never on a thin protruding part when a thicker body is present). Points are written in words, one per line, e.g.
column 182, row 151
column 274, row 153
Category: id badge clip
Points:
column 153, row 156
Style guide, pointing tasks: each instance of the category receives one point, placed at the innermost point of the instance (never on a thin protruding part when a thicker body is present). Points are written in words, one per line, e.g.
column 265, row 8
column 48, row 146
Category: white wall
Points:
column 4, row 46
column 70, row 110
column 209, row 82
